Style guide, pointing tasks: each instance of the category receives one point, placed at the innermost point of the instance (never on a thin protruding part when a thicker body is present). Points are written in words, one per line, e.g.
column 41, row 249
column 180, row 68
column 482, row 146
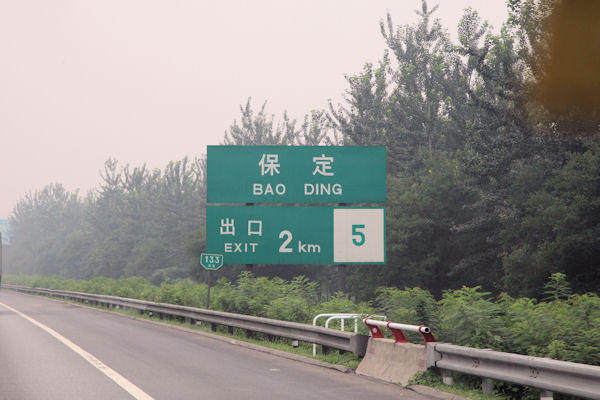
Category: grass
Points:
column 472, row 394
column 459, row 387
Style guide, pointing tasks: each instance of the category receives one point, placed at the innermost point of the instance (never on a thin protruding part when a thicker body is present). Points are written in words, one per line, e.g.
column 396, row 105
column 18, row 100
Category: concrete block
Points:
column 392, row 362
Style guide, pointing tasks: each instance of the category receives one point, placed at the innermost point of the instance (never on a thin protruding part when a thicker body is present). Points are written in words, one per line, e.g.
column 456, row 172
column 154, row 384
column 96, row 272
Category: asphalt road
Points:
column 55, row 350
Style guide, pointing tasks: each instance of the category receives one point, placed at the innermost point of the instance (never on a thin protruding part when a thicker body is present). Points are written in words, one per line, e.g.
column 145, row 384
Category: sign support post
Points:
column 341, row 270
column 342, row 278
column 250, row 267
column 208, row 290
column 210, row 262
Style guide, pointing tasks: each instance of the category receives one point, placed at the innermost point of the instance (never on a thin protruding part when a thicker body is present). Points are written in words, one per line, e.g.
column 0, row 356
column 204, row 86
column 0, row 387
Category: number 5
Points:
column 356, row 232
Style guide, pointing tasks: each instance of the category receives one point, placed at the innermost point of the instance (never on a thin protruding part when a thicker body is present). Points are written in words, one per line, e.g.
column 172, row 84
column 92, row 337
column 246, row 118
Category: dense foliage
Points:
column 488, row 186
column 138, row 222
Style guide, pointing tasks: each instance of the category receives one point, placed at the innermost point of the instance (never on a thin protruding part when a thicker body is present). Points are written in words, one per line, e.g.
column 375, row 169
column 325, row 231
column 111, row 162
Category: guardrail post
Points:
column 487, row 386
column 546, row 395
column 447, row 377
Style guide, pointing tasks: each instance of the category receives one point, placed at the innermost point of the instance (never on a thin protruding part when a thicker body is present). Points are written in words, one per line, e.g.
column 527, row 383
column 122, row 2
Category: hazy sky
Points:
column 149, row 81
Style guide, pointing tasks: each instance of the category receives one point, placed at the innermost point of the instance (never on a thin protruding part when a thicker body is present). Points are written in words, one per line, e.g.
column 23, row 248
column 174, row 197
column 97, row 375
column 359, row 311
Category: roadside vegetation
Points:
column 563, row 326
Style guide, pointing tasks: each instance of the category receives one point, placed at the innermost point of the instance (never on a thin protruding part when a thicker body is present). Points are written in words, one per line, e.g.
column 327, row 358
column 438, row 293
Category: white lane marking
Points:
column 120, row 380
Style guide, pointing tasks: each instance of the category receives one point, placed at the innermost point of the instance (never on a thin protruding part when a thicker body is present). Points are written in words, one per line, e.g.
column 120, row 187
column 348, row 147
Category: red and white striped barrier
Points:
column 375, row 329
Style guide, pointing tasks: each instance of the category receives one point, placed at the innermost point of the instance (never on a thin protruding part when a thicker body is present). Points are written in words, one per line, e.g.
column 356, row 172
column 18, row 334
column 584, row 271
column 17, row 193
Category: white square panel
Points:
column 359, row 235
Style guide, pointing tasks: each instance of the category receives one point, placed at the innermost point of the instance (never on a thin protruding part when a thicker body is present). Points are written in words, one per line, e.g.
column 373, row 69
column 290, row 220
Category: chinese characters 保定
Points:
column 270, row 165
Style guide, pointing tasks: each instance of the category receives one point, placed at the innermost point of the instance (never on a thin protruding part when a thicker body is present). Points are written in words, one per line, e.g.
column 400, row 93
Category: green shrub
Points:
column 290, row 308
column 468, row 318
column 408, row 306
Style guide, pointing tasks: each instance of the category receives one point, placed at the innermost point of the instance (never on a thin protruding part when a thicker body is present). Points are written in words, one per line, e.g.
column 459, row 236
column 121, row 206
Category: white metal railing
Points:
column 342, row 317
column 351, row 316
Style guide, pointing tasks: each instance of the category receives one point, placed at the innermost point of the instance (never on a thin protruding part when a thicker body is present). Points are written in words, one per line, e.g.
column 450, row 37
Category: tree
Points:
column 47, row 228
column 422, row 249
column 260, row 129
column 559, row 44
column 560, row 230
column 557, row 287
column 406, row 103
column 316, row 130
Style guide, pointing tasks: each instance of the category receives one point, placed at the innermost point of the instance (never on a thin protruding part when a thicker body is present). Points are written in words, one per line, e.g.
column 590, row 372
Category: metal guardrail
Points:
column 543, row 373
column 328, row 338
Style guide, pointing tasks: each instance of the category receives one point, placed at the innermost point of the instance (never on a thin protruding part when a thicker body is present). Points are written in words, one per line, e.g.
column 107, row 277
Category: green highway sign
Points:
column 296, row 174
column 296, row 235
column 211, row 261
